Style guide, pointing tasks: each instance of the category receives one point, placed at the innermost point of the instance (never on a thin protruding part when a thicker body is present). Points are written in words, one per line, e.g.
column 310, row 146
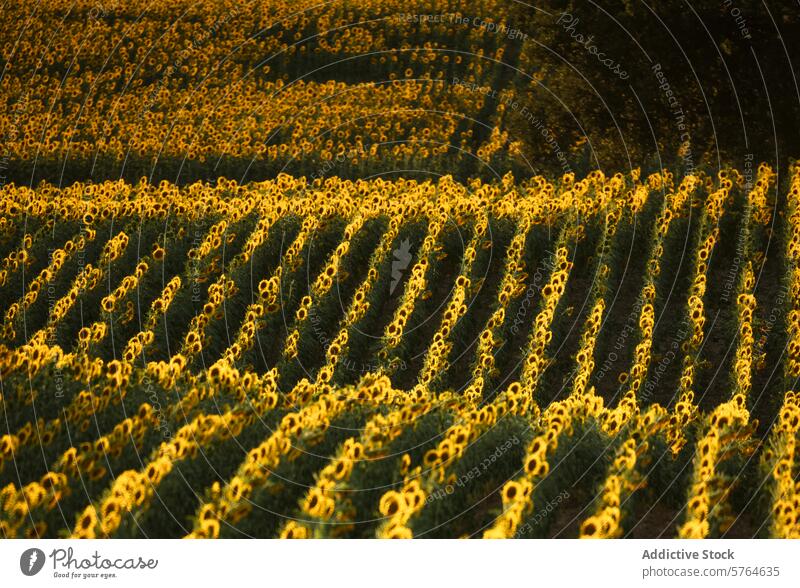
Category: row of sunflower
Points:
column 686, row 410
column 581, row 404
column 779, row 463
column 196, row 88
column 208, row 407
column 728, row 428
column 622, row 478
column 518, row 494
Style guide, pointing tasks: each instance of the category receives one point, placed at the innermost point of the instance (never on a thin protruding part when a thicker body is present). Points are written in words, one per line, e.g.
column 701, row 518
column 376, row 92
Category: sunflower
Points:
column 342, row 468
column 391, row 503
column 210, row 528
column 511, row 492
column 590, row 528
column 398, row 532
column 292, row 530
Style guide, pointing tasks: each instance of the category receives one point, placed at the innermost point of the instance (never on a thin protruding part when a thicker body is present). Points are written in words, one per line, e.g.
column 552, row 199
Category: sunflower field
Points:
column 402, row 359
column 354, row 269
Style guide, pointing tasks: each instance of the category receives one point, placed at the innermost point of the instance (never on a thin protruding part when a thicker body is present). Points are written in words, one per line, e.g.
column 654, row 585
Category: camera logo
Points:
column 31, row 561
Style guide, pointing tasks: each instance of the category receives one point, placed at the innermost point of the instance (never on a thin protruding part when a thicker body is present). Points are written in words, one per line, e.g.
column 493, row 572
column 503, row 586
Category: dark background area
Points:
column 731, row 66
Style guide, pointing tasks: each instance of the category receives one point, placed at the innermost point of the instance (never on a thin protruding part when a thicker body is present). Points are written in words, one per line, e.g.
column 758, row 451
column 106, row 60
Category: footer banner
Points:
column 341, row 563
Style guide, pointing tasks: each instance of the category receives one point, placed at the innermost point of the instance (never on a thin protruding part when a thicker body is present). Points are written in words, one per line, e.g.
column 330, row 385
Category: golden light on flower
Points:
column 225, row 332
